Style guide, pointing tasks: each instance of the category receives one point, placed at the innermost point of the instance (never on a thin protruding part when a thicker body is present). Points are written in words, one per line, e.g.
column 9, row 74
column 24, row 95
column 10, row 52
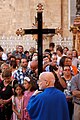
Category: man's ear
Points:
column 47, row 83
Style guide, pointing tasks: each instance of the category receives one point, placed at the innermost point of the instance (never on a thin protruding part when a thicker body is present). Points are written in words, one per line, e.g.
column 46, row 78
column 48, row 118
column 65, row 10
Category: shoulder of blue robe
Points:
column 48, row 105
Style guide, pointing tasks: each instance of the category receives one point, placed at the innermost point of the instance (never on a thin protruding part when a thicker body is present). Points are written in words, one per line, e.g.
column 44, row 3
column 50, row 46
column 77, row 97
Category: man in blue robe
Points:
column 51, row 103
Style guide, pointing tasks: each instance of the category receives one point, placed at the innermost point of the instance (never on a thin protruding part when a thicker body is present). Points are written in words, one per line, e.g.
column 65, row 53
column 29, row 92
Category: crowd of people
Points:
column 54, row 94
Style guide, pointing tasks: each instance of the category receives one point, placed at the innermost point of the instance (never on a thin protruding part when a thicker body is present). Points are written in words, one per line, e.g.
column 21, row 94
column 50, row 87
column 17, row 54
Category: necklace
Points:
column 4, row 89
column 5, row 85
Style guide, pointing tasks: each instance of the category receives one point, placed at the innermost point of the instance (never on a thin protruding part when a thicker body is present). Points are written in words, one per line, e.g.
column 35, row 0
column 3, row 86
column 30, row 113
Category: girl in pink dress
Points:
column 30, row 86
column 17, row 102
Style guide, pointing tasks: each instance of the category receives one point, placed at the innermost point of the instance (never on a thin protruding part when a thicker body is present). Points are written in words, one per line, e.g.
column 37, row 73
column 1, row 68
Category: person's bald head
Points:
column 34, row 65
column 47, row 75
column 46, row 79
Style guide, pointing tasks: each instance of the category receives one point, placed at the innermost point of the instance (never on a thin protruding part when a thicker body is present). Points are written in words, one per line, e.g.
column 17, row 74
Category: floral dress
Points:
column 18, row 103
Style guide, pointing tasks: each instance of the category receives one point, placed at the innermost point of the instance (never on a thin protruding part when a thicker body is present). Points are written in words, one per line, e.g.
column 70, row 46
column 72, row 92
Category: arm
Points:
column 45, row 65
column 15, row 109
column 74, row 86
column 76, row 93
column 37, row 92
column 16, row 112
column 69, row 97
column 61, row 80
column 7, row 101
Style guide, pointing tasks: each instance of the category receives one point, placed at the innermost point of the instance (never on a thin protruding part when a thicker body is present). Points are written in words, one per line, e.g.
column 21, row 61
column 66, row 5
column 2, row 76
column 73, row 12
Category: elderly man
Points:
column 75, row 87
column 51, row 103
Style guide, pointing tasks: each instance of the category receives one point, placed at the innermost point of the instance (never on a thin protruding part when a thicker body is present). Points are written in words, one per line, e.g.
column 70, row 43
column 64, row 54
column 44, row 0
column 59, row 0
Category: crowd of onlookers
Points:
column 19, row 76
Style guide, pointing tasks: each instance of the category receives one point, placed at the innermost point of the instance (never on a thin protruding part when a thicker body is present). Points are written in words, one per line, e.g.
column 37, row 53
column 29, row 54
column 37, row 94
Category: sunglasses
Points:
column 66, row 69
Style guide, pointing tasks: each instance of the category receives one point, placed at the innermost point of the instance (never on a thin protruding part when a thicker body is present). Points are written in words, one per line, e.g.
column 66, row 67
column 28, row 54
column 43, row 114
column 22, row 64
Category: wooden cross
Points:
column 39, row 31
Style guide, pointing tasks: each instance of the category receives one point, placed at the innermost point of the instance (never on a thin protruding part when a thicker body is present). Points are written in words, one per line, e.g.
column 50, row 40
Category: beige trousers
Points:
column 76, row 112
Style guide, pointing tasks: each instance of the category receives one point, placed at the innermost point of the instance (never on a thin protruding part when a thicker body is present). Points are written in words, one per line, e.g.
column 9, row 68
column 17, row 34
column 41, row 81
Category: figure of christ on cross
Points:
column 39, row 31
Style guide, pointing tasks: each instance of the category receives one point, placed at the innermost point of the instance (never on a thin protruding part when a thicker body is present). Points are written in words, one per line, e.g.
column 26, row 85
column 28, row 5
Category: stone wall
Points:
column 9, row 42
column 16, row 14
column 21, row 13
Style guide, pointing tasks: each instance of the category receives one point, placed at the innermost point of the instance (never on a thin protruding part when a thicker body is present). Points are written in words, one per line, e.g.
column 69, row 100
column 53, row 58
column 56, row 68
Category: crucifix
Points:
column 39, row 31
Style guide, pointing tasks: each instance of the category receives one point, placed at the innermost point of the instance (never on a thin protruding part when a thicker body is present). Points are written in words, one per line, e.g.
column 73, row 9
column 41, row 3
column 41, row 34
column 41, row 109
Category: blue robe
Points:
column 48, row 105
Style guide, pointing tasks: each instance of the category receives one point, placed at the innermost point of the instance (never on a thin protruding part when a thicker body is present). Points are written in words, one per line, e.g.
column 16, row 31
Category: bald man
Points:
column 51, row 103
column 33, row 69
column 34, row 65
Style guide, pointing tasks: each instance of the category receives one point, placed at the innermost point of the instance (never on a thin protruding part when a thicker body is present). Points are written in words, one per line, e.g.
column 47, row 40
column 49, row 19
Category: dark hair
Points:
column 69, row 58
column 52, row 45
column 18, row 85
column 47, row 50
column 62, row 60
column 66, row 66
column 45, row 56
column 25, row 59
column 35, row 52
column 1, row 49
column 66, row 48
column 60, row 49
column 26, row 52
column 76, row 52
column 58, row 46
column 13, row 63
column 54, row 53
column 12, row 56
column 18, row 58
column 6, row 73
column 33, row 82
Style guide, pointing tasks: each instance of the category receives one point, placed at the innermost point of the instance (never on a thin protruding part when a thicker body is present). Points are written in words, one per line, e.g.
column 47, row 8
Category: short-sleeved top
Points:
column 75, row 85
column 19, row 75
column 5, row 92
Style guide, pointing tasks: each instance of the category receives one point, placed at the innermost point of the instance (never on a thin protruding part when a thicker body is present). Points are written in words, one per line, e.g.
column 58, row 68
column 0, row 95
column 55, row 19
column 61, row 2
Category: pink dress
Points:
column 19, row 106
column 27, row 96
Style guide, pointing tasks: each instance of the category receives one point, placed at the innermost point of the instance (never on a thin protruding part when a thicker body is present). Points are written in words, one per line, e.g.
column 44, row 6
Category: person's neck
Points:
column 13, row 69
column 6, row 83
column 60, row 55
column 29, row 89
column 50, row 86
column 24, row 69
column 67, row 77
column 19, row 96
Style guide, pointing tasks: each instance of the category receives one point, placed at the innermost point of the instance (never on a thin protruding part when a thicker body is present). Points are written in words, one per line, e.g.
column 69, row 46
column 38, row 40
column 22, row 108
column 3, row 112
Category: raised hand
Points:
column 37, row 92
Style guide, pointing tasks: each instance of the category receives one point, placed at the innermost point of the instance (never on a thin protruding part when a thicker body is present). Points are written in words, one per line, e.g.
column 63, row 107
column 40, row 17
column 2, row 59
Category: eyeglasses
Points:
column 67, row 70
column 24, row 62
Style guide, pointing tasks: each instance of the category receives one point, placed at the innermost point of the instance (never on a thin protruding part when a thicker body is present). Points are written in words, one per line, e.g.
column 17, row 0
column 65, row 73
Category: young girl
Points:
column 30, row 86
column 17, row 102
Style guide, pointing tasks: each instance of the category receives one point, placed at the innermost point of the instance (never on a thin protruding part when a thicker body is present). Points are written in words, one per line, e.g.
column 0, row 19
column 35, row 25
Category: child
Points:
column 30, row 86
column 17, row 102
